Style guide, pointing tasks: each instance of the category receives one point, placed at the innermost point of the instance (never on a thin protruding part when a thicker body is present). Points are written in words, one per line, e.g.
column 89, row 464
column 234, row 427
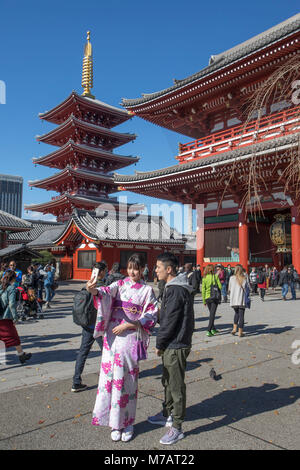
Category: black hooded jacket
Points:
column 176, row 315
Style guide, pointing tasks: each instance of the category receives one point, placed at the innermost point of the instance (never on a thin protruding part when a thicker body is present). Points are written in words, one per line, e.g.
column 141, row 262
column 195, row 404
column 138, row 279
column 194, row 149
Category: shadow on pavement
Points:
column 43, row 357
column 255, row 330
column 234, row 405
column 231, row 406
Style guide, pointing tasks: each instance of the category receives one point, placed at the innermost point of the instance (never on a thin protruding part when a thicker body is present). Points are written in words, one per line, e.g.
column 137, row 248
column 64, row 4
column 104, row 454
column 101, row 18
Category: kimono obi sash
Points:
column 132, row 311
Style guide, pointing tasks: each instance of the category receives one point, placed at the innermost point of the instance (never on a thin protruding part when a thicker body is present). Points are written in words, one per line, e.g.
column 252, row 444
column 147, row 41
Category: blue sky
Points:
column 138, row 47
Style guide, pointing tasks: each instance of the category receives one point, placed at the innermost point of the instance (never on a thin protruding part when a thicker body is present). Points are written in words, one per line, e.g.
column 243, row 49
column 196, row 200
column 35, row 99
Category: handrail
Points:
column 238, row 135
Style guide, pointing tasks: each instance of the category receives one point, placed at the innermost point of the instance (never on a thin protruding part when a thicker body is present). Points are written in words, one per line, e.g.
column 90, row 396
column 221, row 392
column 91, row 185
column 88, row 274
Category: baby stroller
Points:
column 28, row 306
column 21, row 297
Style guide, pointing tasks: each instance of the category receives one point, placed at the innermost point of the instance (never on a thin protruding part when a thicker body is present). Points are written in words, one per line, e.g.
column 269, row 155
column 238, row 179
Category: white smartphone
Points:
column 95, row 274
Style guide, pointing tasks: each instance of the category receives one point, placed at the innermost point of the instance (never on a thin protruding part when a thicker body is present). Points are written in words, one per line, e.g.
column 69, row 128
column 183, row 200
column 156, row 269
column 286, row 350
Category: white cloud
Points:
column 39, row 216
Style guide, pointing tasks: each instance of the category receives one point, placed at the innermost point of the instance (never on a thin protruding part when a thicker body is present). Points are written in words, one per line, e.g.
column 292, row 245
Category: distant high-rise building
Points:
column 11, row 192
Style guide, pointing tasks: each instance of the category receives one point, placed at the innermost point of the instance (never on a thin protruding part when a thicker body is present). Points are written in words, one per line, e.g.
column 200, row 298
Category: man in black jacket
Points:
column 173, row 344
column 87, row 338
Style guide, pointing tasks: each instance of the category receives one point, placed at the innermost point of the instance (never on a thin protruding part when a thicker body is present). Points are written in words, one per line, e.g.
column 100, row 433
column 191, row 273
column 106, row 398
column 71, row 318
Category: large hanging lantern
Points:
column 280, row 233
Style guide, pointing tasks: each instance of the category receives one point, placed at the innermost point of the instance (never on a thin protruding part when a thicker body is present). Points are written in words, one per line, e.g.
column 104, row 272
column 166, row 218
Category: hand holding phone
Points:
column 95, row 274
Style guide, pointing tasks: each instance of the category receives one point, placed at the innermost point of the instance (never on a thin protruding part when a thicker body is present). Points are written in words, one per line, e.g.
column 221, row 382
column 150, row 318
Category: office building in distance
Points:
column 11, row 192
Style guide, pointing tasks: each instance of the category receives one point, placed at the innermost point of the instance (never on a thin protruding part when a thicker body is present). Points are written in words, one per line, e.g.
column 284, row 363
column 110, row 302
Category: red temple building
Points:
column 210, row 107
column 85, row 139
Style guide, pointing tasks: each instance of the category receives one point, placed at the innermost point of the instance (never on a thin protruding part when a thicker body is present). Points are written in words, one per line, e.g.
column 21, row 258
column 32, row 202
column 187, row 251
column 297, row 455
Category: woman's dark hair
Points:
column 168, row 259
column 137, row 261
column 7, row 279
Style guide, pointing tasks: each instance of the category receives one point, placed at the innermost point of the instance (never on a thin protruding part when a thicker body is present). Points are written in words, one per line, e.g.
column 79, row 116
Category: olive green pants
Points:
column 174, row 365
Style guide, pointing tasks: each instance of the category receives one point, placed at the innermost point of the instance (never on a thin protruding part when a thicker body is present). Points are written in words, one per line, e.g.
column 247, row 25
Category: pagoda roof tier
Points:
column 78, row 130
column 66, row 203
column 71, row 151
column 225, row 84
column 62, row 206
column 70, row 174
column 193, row 181
column 81, row 106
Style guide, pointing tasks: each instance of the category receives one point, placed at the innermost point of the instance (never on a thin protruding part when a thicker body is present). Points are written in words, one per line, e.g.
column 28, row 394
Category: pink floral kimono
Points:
column 121, row 302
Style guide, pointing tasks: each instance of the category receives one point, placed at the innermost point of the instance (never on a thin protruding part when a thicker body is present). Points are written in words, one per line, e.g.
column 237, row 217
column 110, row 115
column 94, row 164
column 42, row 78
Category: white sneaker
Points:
column 127, row 434
column 161, row 420
column 115, row 435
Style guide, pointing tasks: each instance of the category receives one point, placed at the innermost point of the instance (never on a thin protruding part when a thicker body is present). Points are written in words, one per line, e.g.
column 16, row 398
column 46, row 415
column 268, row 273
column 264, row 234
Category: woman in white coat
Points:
column 236, row 287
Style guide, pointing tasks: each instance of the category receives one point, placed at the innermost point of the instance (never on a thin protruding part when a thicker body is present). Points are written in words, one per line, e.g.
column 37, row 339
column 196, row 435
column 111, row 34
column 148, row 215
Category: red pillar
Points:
column 295, row 233
column 200, row 235
column 243, row 238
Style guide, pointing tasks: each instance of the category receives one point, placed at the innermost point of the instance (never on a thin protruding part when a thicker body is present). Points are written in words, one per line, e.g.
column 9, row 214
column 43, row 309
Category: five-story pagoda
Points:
column 85, row 157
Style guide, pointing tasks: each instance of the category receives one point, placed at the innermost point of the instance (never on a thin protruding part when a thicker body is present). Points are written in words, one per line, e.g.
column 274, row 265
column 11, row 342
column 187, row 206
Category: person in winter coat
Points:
column 209, row 279
column 9, row 316
column 48, row 284
column 220, row 271
column 236, row 288
column 114, row 274
column 173, row 344
column 286, row 280
column 253, row 280
column 192, row 277
column 146, row 273
column 28, row 279
column 274, row 278
column 262, row 282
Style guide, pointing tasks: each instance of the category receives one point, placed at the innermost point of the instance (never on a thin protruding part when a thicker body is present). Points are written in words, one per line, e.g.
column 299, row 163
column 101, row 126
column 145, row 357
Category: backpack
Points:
column 260, row 278
column 83, row 310
column 295, row 276
column 247, row 295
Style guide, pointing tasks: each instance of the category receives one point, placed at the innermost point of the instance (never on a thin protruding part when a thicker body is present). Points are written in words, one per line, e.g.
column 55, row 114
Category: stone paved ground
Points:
column 254, row 405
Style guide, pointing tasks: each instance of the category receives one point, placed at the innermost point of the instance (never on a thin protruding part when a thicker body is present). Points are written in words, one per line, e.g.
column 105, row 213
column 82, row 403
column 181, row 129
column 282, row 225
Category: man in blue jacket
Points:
column 173, row 344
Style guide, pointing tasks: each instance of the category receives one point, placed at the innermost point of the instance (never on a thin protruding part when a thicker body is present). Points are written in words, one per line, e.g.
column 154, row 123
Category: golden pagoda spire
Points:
column 87, row 69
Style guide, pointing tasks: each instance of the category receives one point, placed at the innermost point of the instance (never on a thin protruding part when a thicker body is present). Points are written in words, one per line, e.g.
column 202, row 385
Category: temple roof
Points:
column 219, row 61
column 13, row 250
column 175, row 172
column 78, row 102
column 37, row 229
column 86, row 150
column 47, row 238
column 61, row 134
column 69, row 172
column 151, row 229
column 9, row 222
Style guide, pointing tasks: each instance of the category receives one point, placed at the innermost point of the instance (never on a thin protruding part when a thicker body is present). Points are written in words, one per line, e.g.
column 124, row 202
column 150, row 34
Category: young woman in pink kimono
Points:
column 127, row 313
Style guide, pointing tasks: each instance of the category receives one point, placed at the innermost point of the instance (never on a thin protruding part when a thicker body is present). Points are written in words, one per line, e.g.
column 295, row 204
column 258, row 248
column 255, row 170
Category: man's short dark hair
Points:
column 168, row 259
column 101, row 266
